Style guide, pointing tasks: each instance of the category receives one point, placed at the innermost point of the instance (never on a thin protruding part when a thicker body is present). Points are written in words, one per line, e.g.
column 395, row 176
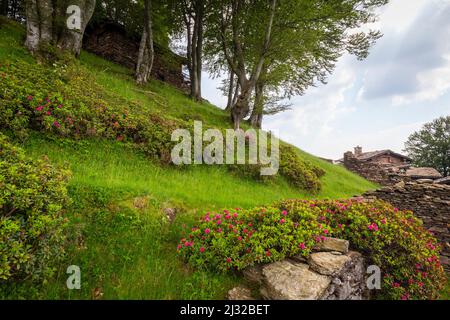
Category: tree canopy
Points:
column 430, row 146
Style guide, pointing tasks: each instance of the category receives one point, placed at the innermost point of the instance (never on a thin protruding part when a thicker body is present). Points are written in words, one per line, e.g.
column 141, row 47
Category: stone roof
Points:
column 365, row 156
column 423, row 173
column 374, row 154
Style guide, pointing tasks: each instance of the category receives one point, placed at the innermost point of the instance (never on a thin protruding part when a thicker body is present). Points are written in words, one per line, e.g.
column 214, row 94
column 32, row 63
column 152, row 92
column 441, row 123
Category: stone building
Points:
column 385, row 167
column 382, row 157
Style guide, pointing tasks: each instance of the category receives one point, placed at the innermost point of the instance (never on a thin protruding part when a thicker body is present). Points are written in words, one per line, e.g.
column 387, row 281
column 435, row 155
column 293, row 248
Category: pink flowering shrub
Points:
column 64, row 100
column 394, row 240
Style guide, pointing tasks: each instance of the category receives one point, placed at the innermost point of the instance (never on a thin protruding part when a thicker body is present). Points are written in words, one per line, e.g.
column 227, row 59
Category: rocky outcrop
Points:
column 331, row 272
column 429, row 201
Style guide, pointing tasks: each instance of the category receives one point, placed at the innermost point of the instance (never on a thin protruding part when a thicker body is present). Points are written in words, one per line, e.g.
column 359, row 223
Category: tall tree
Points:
column 430, row 146
column 4, row 7
column 192, row 13
column 250, row 33
column 146, row 51
column 57, row 22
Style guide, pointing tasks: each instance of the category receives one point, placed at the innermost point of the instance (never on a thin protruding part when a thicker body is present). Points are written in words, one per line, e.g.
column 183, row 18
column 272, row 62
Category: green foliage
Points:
column 394, row 240
column 299, row 172
column 430, row 146
column 32, row 196
column 62, row 99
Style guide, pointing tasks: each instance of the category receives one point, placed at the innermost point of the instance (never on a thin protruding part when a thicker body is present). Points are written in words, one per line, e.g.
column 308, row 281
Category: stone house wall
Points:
column 429, row 201
column 371, row 171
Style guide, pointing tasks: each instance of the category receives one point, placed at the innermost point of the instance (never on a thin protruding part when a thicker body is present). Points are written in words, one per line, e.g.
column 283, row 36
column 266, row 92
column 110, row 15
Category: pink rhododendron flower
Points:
column 228, row 260
column 268, row 253
column 179, row 246
column 282, row 221
column 302, row 246
column 29, row 98
column 207, row 230
column 219, row 222
column 39, row 108
column 325, row 231
column 239, row 238
column 56, row 124
column 202, row 249
column 284, row 213
column 235, row 215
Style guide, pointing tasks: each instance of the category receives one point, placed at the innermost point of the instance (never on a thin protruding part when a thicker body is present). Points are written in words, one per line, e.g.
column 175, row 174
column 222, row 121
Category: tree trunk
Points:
column 193, row 20
column 241, row 108
column 258, row 108
column 230, row 91
column 43, row 28
column 72, row 39
column 146, row 51
column 39, row 24
column 199, row 49
column 4, row 7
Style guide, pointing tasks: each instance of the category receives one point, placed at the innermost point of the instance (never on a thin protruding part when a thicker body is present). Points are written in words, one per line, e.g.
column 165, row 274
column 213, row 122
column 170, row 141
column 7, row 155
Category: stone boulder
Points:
column 332, row 244
column 240, row 293
column 327, row 263
column 286, row 280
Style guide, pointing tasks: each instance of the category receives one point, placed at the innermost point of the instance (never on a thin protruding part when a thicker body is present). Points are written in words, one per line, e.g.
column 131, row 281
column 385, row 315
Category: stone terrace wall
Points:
column 330, row 273
column 428, row 201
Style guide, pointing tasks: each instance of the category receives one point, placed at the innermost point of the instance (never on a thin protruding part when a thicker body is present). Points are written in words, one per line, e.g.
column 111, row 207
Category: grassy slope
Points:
column 125, row 247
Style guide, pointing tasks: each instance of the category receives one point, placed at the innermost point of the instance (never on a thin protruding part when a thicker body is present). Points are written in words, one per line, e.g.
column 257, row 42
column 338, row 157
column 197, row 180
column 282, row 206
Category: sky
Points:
column 378, row 102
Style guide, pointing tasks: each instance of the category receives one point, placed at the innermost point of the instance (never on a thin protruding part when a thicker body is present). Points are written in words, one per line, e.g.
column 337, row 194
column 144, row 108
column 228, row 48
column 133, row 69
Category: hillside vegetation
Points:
column 121, row 188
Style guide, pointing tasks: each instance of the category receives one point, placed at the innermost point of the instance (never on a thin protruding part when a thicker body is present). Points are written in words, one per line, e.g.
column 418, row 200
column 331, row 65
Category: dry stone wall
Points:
column 331, row 272
column 429, row 201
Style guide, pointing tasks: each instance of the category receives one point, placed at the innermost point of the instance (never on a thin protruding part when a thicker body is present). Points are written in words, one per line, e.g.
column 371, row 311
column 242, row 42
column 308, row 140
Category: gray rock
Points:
column 240, row 293
column 332, row 244
column 327, row 263
column 285, row 280
column 253, row 274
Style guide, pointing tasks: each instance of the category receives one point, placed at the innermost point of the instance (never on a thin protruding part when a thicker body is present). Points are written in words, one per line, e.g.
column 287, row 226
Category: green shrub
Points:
column 32, row 196
column 298, row 172
column 394, row 240
column 63, row 100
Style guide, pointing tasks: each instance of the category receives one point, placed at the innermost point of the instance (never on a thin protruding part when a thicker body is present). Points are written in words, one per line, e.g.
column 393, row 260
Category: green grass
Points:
column 120, row 237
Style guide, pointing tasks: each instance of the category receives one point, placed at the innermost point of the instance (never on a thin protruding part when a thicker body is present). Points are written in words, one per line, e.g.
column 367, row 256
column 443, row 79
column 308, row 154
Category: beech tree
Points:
column 302, row 35
column 57, row 22
column 146, row 51
column 193, row 17
column 430, row 146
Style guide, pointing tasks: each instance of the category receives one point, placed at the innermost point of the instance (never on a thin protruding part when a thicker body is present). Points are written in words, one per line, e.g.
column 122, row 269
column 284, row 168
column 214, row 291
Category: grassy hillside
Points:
column 120, row 236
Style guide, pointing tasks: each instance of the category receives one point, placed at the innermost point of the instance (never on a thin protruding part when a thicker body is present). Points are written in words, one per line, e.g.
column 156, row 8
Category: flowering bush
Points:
column 391, row 239
column 32, row 196
column 64, row 100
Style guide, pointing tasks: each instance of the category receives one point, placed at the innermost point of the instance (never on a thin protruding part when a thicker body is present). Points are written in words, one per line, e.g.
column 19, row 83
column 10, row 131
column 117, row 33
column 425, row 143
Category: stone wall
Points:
column 111, row 42
column 331, row 272
column 429, row 201
column 371, row 171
